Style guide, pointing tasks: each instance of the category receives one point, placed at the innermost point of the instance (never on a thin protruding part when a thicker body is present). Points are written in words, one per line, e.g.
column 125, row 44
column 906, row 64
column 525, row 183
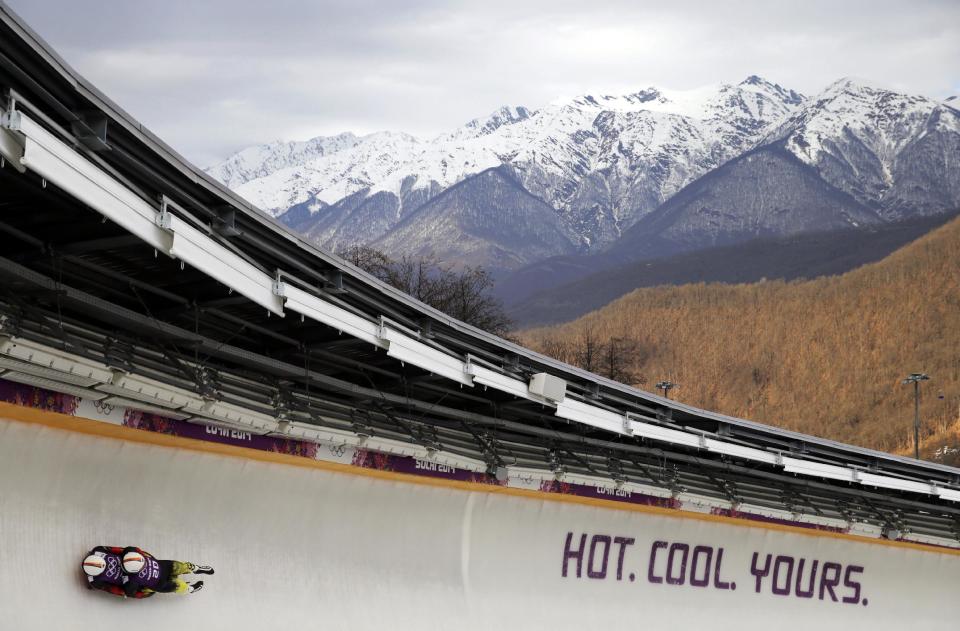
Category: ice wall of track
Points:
column 301, row 548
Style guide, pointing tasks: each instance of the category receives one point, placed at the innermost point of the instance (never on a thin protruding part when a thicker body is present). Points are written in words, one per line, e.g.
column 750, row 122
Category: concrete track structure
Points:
column 131, row 279
column 181, row 373
column 322, row 546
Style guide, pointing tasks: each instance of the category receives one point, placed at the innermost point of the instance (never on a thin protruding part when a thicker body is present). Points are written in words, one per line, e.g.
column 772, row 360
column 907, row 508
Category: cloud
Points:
column 212, row 77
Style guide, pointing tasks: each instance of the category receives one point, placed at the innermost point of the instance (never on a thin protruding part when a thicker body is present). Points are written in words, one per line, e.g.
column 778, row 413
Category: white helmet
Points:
column 94, row 565
column 133, row 562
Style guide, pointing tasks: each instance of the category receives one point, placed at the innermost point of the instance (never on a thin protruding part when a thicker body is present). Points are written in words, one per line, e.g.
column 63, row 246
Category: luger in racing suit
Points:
column 155, row 576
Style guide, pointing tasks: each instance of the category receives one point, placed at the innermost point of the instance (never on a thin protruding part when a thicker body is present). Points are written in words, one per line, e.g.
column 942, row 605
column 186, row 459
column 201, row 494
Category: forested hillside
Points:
column 803, row 256
column 824, row 357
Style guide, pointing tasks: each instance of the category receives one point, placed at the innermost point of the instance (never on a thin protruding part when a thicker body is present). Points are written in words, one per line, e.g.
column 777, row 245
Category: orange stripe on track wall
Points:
column 65, row 422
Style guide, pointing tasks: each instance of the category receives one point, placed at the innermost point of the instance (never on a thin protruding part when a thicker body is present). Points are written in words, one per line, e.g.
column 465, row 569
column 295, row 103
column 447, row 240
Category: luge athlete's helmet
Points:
column 94, row 565
column 133, row 562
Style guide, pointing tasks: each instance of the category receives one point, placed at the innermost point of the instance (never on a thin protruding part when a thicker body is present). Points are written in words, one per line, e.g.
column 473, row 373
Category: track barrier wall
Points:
column 321, row 547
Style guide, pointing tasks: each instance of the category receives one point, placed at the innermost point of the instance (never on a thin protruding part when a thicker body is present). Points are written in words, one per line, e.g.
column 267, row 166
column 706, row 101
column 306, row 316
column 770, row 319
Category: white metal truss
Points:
column 11, row 145
column 898, row 484
column 407, row 349
column 664, row 434
column 740, row 451
column 333, row 316
column 58, row 163
column 203, row 253
column 591, row 415
column 817, row 469
column 44, row 361
column 490, row 378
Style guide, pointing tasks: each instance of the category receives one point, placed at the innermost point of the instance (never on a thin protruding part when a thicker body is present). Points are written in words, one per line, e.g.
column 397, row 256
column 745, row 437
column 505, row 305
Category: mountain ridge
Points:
column 781, row 188
column 648, row 173
column 639, row 148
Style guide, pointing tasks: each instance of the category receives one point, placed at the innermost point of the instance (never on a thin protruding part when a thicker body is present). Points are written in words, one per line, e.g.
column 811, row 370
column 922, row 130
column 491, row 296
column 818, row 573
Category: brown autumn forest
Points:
column 824, row 357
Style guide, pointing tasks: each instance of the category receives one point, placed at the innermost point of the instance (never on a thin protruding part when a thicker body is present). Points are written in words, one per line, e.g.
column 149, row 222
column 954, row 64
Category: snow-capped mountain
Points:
column 853, row 156
column 644, row 174
column 896, row 153
column 489, row 124
column 621, row 156
column 262, row 160
column 601, row 161
column 282, row 177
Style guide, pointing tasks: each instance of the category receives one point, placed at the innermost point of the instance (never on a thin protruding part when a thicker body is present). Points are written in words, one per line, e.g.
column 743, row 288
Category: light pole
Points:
column 915, row 378
column 666, row 386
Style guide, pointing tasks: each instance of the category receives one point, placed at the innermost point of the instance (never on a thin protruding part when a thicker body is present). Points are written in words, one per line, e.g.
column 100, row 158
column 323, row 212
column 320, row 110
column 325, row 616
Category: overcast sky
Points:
column 213, row 76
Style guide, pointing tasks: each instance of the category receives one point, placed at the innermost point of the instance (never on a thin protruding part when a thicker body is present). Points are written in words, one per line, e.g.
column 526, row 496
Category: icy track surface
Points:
column 302, row 548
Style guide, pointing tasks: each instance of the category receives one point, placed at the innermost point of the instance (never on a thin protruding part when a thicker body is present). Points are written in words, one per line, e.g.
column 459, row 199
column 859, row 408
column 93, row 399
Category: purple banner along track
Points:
column 599, row 492
column 416, row 466
column 227, row 436
column 38, row 398
column 726, row 512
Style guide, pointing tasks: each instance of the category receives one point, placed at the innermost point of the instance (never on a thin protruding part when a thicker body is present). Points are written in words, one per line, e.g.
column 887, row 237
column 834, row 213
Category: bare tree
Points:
column 614, row 358
column 589, row 349
column 559, row 349
column 369, row 260
column 618, row 356
column 464, row 294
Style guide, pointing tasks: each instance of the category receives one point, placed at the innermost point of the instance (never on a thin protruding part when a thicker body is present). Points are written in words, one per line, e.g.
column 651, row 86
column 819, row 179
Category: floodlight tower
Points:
column 666, row 386
column 915, row 378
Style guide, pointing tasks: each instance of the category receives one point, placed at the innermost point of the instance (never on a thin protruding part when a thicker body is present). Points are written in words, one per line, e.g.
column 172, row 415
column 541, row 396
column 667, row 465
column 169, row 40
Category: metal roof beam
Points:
column 125, row 240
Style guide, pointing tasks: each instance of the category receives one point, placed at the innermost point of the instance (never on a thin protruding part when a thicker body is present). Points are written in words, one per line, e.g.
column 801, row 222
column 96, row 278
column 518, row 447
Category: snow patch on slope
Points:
column 883, row 120
column 557, row 145
column 263, row 160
